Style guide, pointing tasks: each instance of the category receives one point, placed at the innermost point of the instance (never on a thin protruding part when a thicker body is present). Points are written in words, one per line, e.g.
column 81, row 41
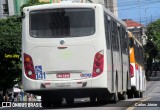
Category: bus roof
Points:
column 61, row 5
column 114, row 17
column 73, row 5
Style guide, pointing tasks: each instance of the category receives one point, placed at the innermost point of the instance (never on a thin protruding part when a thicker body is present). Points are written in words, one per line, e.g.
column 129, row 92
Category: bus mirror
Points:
column 22, row 15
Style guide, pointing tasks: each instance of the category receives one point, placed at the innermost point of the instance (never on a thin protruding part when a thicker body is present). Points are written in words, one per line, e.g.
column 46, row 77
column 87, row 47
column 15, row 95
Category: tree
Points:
column 152, row 47
column 10, row 52
column 32, row 2
column 10, row 45
column 151, row 53
column 153, row 33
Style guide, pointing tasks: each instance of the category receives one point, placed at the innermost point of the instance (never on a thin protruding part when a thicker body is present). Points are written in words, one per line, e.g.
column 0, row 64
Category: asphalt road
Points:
column 151, row 96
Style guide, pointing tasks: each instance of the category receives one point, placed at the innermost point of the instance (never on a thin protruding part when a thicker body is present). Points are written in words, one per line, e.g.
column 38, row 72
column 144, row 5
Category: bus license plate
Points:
column 63, row 84
column 63, row 75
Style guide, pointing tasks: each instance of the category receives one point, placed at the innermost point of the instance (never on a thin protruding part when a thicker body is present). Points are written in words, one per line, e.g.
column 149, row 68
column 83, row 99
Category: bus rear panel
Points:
column 62, row 48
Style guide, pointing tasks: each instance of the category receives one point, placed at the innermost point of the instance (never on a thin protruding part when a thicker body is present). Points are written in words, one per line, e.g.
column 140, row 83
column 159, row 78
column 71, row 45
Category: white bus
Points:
column 74, row 50
column 137, row 69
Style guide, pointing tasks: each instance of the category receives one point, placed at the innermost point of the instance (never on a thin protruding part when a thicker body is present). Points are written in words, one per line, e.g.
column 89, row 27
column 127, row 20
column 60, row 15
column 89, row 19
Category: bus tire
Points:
column 137, row 94
column 69, row 100
column 57, row 102
column 103, row 97
column 141, row 94
column 114, row 97
column 130, row 94
column 102, row 100
column 46, row 102
column 122, row 96
column 93, row 99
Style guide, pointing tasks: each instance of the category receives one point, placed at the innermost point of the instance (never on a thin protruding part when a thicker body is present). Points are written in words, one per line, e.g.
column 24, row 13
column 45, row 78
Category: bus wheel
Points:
column 102, row 97
column 114, row 97
column 57, row 102
column 137, row 94
column 141, row 94
column 122, row 96
column 130, row 94
column 92, row 99
column 102, row 100
column 69, row 100
column 46, row 102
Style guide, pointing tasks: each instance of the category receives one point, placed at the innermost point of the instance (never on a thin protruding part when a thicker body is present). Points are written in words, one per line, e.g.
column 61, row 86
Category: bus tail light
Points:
column 29, row 67
column 131, row 70
column 136, row 65
column 98, row 64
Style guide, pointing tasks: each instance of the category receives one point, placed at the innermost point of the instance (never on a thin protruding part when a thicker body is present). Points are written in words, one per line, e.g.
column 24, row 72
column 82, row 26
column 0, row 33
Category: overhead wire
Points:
column 137, row 6
column 126, row 4
column 129, row 5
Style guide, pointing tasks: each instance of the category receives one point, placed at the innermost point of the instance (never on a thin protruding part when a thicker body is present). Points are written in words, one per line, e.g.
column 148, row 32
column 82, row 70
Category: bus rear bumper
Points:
column 44, row 85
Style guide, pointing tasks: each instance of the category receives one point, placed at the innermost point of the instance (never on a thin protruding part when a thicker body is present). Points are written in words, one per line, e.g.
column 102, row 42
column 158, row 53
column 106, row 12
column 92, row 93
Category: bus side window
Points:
column 117, row 38
column 141, row 56
column 136, row 52
column 127, row 42
column 124, row 40
column 121, row 37
column 107, row 30
column 114, row 36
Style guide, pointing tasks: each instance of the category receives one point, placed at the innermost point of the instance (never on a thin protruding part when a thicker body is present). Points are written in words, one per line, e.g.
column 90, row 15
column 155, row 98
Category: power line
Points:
column 126, row 4
column 137, row 6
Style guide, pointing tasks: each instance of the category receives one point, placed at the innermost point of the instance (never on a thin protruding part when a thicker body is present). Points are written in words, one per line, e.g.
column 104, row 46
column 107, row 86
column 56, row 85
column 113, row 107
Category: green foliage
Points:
column 153, row 33
column 152, row 48
column 31, row 3
column 10, row 45
column 151, row 52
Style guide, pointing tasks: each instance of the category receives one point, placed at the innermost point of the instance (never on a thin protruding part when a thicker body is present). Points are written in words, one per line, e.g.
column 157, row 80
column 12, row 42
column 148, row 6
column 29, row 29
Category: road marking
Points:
column 144, row 99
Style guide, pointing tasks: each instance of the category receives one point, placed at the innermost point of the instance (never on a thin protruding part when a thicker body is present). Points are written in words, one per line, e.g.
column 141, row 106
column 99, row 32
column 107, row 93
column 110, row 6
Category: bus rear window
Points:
column 62, row 23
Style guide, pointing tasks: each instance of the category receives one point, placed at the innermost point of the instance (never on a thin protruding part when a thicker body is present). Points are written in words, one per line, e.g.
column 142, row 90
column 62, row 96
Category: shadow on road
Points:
column 78, row 105
column 93, row 105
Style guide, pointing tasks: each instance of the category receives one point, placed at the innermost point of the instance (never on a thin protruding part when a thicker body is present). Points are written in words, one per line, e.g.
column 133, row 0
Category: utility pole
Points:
column 146, row 15
column 139, row 10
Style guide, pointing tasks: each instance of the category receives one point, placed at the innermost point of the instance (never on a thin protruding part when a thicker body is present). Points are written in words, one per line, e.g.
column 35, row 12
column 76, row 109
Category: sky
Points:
column 143, row 11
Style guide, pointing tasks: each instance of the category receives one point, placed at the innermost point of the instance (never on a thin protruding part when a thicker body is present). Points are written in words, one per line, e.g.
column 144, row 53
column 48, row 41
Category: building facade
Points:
column 17, row 5
column 6, row 8
column 137, row 29
column 110, row 4
column 10, row 7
